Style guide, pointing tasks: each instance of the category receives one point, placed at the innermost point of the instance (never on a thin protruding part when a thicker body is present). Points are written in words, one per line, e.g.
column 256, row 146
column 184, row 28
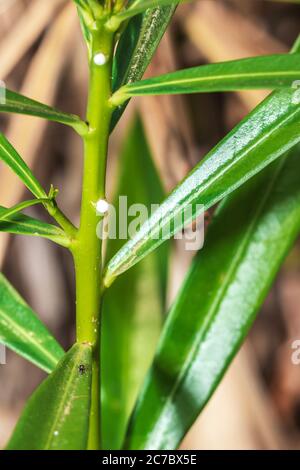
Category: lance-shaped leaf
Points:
column 269, row 72
column 125, row 53
column 264, row 135
column 6, row 214
column 245, row 246
column 138, row 43
column 131, row 326
column 56, row 417
column 11, row 158
column 23, row 332
column 19, row 224
column 136, row 48
column 12, row 102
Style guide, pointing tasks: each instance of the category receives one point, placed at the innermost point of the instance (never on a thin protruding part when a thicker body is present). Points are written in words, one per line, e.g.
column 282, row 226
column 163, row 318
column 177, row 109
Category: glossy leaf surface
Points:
column 264, row 135
column 265, row 72
column 19, row 224
column 23, row 332
column 246, row 243
column 133, row 307
column 12, row 102
column 56, row 416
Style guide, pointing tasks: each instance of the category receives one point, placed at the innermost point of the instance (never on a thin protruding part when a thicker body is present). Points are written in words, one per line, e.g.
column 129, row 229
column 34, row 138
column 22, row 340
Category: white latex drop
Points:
column 102, row 206
column 99, row 59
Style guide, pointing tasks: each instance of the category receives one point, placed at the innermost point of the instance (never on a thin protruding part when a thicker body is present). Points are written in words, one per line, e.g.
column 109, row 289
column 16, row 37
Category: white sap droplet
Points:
column 100, row 58
column 56, row 433
column 102, row 206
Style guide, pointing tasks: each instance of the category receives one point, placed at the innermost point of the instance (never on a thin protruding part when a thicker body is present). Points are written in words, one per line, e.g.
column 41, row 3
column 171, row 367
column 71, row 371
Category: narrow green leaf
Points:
column 86, row 21
column 23, row 332
column 246, row 243
column 136, row 48
column 138, row 43
column 250, row 234
column 23, row 225
column 131, row 326
column 264, row 135
column 139, row 6
column 11, row 158
column 13, row 102
column 7, row 213
column 265, row 72
column 125, row 53
column 57, row 415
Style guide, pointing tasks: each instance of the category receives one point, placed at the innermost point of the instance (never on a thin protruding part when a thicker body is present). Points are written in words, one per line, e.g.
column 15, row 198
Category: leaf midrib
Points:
column 257, row 142
column 41, row 229
column 68, row 390
column 225, row 168
column 211, row 313
column 22, row 171
column 41, row 109
column 35, row 228
column 26, row 336
column 150, row 86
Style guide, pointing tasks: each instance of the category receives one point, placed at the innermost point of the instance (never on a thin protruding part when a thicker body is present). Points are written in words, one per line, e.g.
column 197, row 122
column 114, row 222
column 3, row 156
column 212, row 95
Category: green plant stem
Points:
column 87, row 252
column 62, row 220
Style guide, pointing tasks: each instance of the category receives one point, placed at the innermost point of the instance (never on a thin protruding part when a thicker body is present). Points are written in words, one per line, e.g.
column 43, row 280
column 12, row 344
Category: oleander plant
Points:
column 138, row 376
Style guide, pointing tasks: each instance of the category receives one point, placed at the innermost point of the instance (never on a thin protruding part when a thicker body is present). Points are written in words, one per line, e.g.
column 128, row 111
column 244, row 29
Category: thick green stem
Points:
column 87, row 252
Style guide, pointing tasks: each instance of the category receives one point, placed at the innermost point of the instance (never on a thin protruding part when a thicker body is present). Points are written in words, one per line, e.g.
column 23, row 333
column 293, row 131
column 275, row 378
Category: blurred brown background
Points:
column 42, row 55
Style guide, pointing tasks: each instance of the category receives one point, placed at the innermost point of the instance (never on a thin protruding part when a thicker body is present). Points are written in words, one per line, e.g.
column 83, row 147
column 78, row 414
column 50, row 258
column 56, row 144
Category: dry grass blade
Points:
column 25, row 31
column 24, row 132
column 245, row 409
column 165, row 122
column 27, row 133
column 222, row 33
